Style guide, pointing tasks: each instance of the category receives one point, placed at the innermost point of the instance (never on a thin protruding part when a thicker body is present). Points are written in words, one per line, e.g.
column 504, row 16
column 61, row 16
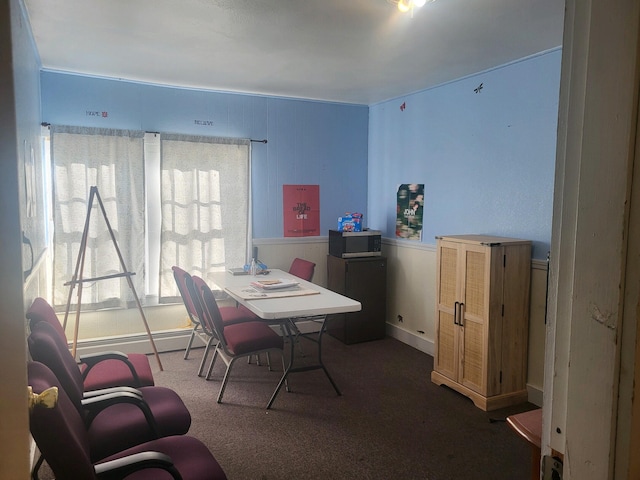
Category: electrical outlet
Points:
column 551, row 468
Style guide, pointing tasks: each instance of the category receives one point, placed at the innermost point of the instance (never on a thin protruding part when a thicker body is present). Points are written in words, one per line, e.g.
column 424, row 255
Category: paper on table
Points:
column 251, row 293
column 274, row 284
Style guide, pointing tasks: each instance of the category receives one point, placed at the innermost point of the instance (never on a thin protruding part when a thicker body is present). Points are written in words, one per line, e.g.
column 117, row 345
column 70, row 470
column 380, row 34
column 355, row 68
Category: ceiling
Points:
column 352, row 51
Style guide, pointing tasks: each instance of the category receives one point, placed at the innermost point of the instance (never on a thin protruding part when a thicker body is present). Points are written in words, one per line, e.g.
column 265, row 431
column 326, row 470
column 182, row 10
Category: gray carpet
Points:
column 390, row 423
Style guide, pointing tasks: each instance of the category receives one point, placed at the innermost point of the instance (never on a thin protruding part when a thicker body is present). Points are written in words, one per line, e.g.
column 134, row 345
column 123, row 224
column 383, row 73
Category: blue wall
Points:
column 308, row 142
column 487, row 159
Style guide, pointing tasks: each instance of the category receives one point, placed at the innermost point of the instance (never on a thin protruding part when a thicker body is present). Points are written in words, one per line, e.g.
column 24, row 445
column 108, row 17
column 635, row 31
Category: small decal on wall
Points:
column 95, row 113
column 409, row 211
column 206, row 123
column 301, row 210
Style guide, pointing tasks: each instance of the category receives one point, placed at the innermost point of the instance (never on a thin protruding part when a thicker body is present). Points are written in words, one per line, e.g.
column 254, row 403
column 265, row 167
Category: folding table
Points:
column 291, row 304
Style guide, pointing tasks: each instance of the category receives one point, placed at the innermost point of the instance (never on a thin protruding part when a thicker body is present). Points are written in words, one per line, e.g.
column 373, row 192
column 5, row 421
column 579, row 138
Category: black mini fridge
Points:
column 363, row 279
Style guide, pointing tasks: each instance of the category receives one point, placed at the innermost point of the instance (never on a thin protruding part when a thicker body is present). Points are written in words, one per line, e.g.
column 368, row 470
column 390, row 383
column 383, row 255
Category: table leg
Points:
column 291, row 369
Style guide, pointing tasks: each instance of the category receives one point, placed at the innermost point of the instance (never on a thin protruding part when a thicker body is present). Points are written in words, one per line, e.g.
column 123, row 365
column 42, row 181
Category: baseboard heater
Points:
column 165, row 341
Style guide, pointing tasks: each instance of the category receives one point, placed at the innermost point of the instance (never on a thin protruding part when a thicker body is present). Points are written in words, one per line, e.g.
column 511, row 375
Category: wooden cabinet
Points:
column 363, row 279
column 482, row 317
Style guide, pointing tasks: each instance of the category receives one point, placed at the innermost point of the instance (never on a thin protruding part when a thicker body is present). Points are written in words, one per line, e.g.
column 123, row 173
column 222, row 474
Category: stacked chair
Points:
column 90, row 432
column 101, row 370
column 229, row 315
column 234, row 339
column 115, row 418
column 61, row 435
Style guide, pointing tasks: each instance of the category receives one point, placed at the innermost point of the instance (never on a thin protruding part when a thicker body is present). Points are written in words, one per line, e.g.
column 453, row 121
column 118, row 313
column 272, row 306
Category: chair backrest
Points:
column 210, row 310
column 59, row 432
column 41, row 311
column 46, row 347
column 195, row 285
column 181, row 277
column 302, row 268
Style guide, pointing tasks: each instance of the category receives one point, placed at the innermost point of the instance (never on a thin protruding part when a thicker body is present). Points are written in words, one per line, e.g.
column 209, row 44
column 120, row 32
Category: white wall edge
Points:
column 539, row 264
column 535, row 395
column 410, row 339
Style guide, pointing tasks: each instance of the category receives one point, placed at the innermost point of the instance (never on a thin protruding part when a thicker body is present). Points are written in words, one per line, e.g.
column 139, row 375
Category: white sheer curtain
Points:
column 112, row 160
column 205, row 195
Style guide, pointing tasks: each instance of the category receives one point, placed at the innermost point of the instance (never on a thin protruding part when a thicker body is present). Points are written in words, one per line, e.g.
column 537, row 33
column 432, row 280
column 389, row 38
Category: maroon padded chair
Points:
column 235, row 340
column 62, row 438
column 122, row 418
column 302, row 268
column 229, row 315
column 101, row 370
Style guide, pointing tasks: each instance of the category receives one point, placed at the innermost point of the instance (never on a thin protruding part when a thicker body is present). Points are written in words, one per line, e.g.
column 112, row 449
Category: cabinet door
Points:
column 447, row 294
column 475, row 299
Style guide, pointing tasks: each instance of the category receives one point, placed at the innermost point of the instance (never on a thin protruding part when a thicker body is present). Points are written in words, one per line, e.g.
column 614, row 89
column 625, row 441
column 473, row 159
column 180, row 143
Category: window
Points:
column 169, row 199
column 112, row 160
column 205, row 206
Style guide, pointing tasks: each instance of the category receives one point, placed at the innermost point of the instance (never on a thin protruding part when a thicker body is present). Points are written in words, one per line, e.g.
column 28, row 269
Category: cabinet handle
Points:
column 460, row 314
column 455, row 313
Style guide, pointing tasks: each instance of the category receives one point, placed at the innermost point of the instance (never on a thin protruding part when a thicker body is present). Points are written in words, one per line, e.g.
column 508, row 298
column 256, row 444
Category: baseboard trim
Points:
column 410, row 339
column 165, row 341
column 535, row 395
column 172, row 340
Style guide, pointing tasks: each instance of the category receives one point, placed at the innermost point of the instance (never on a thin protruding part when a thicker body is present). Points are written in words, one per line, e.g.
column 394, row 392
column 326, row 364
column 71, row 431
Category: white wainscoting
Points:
column 410, row 305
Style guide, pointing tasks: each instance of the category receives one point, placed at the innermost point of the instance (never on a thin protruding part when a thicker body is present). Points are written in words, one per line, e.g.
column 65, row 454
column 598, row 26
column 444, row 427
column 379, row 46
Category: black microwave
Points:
column 367, row 243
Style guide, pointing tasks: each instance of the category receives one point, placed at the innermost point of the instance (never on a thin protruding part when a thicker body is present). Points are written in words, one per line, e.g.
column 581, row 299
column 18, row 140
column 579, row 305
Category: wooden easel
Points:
column 78, row 279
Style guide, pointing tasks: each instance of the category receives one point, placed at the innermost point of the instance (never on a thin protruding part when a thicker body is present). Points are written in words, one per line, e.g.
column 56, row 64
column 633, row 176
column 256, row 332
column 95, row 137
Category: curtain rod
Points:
column 264, row 140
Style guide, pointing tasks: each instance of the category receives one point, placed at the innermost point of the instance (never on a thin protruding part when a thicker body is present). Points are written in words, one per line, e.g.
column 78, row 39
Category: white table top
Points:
column 324, row 303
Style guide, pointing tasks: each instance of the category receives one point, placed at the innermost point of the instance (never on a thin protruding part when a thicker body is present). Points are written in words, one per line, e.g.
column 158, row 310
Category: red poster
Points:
column 301, row 210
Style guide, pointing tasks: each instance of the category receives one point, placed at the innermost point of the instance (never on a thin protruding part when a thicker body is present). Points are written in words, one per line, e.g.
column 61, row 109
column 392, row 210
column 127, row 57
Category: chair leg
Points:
column 224, row 380
column 213, row 361
column 204, row 356
column 257, row 359
column 193, row 335
column 36, row 467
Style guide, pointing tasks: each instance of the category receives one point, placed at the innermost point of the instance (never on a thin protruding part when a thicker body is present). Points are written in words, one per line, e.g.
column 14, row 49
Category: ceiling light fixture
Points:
column 408, row 5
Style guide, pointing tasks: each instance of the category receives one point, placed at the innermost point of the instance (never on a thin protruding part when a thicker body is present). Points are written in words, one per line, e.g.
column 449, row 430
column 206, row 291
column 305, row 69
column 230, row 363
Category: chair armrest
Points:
column 104, row 391
column 95, row 405
column 122, row 467
column 92, row 359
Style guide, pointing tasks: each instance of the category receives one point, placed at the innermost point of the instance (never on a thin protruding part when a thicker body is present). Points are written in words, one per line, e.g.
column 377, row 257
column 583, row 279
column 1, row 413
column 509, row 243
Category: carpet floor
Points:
column 391, row 421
